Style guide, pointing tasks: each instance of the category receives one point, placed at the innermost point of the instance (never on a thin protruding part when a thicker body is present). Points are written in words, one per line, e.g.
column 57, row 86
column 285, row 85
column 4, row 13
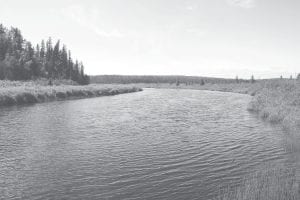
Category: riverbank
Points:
column 279, row 102
column 18, row 93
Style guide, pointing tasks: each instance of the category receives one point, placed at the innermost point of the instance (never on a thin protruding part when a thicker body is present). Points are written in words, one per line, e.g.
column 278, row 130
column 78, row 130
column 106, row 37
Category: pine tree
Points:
column 202, row 82
column 49, row 59
column 237, row 79
column 252, row 79
column 19, row 60
column 42, row 50
column 64, row 63
column 75, row 74
column 56, row 60
column 69, row 71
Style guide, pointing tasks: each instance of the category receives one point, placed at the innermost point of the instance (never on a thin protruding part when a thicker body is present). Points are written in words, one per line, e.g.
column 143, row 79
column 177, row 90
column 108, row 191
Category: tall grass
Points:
column 270, row 183
column 279, row 102
column 16, row 93
column 33, row 83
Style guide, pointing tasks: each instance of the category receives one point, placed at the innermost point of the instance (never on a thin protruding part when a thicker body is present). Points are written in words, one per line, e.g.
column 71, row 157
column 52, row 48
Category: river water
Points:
column 155, row 144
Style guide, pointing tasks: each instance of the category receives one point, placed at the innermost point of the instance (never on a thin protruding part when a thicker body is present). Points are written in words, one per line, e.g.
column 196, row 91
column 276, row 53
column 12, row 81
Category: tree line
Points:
column 20, row 60
column 187, row 80
column 177, row 80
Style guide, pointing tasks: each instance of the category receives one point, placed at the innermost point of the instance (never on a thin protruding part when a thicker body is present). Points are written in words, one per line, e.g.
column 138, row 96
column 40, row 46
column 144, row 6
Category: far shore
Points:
column 19, row 93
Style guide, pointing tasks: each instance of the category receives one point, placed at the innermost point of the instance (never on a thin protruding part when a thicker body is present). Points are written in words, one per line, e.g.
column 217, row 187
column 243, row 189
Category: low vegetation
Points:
column 243, row 88
column 176, row 80
column 16, row 93
column 270, row 183
column 279, row 102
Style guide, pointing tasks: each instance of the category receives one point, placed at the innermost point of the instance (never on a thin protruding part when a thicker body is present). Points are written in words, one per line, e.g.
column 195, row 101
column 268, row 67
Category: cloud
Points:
column 88, row 18
column 242, row 3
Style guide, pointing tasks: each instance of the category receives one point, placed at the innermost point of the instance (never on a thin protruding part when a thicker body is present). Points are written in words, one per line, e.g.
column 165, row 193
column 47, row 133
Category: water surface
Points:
column 155, row 144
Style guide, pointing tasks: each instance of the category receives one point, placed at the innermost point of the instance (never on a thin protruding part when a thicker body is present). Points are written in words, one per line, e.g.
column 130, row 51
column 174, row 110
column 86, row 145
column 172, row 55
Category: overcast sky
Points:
column 218, row 38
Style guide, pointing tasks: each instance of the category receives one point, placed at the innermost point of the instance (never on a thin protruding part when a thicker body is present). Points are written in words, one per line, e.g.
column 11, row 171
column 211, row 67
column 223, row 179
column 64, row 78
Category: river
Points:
column 155, row 144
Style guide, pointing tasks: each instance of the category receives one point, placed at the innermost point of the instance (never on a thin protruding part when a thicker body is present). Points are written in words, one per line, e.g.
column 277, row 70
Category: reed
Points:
column 270, row 183
column 279, row 102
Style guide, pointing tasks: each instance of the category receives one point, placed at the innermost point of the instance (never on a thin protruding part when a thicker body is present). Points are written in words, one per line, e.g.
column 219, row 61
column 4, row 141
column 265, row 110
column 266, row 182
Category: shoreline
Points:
column 21, row 95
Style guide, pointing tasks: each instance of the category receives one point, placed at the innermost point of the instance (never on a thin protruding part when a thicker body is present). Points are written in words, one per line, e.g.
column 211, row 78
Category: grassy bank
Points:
column 279, row 102
column 17, row 93
column 270, row 183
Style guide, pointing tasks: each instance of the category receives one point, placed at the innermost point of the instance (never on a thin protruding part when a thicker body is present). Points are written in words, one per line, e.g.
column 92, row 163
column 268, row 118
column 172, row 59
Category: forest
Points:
column 20, row 60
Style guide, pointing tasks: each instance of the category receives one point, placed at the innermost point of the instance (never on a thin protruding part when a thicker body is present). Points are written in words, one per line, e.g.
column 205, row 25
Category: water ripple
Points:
column 156, row 144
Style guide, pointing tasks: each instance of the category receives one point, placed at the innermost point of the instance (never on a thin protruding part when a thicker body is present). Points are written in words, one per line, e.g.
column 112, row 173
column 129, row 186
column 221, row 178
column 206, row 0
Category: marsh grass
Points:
column 269, row 183
column 16, row 93
column 279, row 102
column 33, row 83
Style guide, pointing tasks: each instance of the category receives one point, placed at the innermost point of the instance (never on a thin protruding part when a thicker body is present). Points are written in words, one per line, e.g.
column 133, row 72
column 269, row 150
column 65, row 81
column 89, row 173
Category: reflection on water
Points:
column 156, row 144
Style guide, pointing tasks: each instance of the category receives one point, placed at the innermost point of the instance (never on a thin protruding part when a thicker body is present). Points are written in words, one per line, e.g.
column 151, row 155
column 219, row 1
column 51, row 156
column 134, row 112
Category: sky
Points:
column 215, row 38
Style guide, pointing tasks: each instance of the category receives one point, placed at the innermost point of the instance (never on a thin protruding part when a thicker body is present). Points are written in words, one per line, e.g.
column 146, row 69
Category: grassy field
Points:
column 16, row 93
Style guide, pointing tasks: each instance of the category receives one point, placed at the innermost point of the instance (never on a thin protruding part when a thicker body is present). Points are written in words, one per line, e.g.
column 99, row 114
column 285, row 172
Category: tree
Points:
column 56, row 60
column 75, row 74
column 237, row 79
column 42, row 50
column 2, row 72
column 202, row 82
column 20, row 60
column 298, row 77
column 49, row 58
column 17, row 40
column 252, row 79
column 69, row 71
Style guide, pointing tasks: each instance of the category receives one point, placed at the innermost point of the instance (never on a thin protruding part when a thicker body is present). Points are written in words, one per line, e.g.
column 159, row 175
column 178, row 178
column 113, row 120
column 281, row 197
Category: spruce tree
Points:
column 20, row 60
